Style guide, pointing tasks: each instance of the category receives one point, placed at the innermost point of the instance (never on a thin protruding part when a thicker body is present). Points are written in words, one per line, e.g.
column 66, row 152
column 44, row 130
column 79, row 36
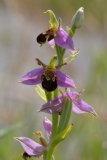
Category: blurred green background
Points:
column 20, row 23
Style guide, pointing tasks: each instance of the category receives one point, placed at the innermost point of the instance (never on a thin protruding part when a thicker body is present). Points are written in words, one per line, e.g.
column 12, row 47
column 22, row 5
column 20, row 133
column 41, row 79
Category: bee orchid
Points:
column 56, row 35
column 79, row 106
column 49, row 76
column 32, row 148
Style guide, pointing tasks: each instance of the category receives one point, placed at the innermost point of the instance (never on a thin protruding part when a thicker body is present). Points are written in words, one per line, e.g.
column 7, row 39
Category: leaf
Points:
column 9, row 129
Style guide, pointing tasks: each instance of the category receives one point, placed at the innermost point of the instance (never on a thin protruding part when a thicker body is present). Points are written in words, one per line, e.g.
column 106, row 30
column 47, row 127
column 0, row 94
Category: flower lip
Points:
column 45, row 36
column 25, row 155
column 49, row 83
column 42, row 38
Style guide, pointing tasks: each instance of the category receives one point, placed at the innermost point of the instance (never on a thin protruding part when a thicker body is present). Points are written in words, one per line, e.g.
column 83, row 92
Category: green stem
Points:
column 56, row 92
column 60, row 54
column 49, row 95
column 73, row 30
column 54, row 125
column 50, row 152
column 44, row 155
column 63, row 51
column 54, row 118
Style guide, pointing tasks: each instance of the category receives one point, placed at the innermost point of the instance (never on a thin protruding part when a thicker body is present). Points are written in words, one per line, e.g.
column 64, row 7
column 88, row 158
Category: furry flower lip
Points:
column 56, row 35
column 49, row 76
column 45, row 36
column 25, row 156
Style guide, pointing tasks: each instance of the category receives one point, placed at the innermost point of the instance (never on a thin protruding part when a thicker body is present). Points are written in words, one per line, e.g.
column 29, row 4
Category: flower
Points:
column 56, row 35
column 48, row 76
column 79, row 106
column 32, row 148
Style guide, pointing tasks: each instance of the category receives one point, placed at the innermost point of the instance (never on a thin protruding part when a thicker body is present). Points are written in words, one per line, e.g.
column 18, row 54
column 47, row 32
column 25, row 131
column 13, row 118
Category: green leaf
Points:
column 9, row 129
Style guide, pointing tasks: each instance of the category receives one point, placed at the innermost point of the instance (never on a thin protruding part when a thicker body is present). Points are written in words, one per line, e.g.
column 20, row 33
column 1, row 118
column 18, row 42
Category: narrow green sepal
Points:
column 65, row 114
column 41, row 92
column 71, row 57
column 44, row 154
column 53, row 21
column 60, row 54
column 70, row 31
column 61, row 136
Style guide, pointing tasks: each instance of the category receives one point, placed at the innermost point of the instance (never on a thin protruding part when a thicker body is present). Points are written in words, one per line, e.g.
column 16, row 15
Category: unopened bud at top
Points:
column 78, row 18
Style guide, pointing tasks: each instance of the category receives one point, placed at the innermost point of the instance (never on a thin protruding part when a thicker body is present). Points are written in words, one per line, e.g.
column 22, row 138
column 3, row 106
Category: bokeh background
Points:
column 20, row 23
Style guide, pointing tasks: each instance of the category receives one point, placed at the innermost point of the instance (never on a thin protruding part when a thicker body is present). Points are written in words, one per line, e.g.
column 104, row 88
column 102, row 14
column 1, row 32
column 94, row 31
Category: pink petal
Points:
column 48, row 127
column 63, row 40
column 52, row 43
column 64, row 80
column 31, row 147
column 33, row 77
column 83, row 106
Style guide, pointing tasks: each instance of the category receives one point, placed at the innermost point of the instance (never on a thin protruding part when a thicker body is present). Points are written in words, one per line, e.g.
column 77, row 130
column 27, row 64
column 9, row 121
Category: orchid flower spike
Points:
column 56, row 35
column 79, row 106
column 48, row 76
column 32, row 148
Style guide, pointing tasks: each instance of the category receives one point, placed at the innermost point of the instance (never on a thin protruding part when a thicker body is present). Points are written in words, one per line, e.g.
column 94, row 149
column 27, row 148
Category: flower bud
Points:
column 78, row 18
